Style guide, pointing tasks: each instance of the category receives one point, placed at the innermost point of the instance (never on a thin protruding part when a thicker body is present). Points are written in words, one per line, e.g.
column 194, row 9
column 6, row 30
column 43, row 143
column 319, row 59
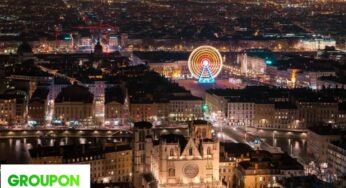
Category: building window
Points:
column 171, row 152
column 204, row 133
column 143, row 159
column 171, row 172
column 141, row 136
column 190, row 152
column 208, row 151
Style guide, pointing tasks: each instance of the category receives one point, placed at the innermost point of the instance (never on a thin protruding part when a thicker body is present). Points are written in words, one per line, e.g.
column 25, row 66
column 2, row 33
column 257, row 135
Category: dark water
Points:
column 14, row 150
column 17, row 150
column 295, row 147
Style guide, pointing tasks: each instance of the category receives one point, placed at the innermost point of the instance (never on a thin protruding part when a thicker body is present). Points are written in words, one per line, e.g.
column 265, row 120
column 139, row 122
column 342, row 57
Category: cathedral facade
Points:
column 176, row 160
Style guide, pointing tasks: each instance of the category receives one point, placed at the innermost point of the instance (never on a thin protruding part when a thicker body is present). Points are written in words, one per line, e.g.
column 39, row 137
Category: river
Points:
column 16, row 150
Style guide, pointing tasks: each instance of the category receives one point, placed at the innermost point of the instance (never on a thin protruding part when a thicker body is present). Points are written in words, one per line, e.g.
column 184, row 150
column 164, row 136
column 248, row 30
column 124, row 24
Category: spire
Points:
column 98, row 50
column 125, row 107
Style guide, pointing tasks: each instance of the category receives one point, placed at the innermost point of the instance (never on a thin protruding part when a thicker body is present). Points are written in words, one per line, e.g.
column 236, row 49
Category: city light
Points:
column 198, row 93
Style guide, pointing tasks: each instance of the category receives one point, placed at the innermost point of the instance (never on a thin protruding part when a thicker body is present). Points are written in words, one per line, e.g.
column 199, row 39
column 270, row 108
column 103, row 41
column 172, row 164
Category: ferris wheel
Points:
column 205, row 64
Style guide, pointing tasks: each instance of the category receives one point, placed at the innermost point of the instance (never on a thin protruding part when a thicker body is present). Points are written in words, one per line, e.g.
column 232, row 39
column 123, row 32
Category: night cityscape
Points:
column 176, row 93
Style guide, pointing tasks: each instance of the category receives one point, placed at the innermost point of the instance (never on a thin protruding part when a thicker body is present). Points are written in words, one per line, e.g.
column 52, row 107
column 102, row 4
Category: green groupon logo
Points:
column 44, row 180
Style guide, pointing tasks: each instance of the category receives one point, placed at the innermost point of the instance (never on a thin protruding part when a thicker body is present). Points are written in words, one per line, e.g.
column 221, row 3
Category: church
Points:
column 176, row 160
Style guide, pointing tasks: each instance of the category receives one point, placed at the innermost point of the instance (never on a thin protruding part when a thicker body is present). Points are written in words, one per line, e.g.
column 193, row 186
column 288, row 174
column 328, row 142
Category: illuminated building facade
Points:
column 46, row 159
column 337, row 161
column 264, row 114
column 141, row 153
column 217, row 101
column 38, row 107
column 286, row 116
column 148, row 110
column 312, row 111
column 185, row 108
column 118, row 164
column 108, row 164
column 98, row 90
column 275, row 108
column 241, row 113
column 174, row 70
column 230, row 155
column 74, row 104
column 251, row 65
column 227, row 167
column 7, row 109
column 114, row 105
column 254, row 62
column 313, row 78
column 113, row 111
column 265, row 170
column 21, row 100
column 175, row 160
column 341, row 119
column 315, row 44
column 318, row 140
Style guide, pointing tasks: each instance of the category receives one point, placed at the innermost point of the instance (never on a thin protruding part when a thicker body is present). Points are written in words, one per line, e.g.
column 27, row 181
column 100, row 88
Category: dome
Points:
column 75, row 93
column 98, row 50
column 24, row 48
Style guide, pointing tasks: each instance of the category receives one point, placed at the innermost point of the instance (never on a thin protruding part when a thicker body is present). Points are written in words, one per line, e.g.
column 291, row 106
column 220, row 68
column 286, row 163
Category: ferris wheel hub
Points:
column 205, row 64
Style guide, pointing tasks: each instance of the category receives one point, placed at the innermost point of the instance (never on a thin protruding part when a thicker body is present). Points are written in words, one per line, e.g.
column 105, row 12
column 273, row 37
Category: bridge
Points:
column 69, row 133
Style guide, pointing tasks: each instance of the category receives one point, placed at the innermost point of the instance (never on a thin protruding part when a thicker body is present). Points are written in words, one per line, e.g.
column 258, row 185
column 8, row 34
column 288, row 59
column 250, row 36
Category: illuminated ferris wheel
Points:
column 205, row 64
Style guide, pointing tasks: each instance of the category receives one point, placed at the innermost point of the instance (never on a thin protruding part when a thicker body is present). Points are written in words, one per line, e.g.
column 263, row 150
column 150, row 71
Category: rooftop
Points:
column 199, row 122
column 174, row 139
column 184, row 97
column 285, row 105
column 75, row 93
column 342, row 106
column 114, row 94
column 265, row 160
column 116, row 185
column 265, row 94
column 340, row 143
column 61, row 81
column 70, row 151
column 7, row 97
column 40, row 94
column 24, row 48
column 143, row 125
column 236, row 149
column 28, row 68
column 162, row 56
